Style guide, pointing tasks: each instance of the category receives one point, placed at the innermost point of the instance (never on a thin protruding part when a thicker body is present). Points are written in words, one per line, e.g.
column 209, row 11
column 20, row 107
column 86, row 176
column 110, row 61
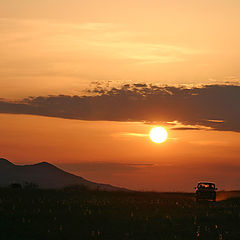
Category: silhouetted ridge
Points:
column 45, row 175
column 43, row 164
column 48, row 167
column 5, row 162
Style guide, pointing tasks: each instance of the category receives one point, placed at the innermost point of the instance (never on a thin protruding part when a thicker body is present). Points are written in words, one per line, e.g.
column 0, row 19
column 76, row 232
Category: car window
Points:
column 206, row 186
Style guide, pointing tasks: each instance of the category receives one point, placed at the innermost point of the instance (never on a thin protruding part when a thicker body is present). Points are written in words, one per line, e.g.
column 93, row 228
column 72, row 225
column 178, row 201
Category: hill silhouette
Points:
column 45, row 175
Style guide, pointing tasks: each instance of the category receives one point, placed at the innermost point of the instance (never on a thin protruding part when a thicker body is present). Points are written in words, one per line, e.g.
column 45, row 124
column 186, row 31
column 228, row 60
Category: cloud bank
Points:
column 211, row 106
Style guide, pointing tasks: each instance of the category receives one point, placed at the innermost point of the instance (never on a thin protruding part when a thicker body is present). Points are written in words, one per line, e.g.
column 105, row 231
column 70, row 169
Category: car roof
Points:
column 206, row 183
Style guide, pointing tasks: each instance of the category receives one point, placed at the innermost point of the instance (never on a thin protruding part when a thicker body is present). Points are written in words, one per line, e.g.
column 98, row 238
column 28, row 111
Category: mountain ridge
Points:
column 5, row 161
column 46, row 175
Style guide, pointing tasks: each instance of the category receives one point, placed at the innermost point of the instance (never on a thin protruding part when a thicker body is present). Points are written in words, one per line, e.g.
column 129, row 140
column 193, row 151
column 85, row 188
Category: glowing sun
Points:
column 158, row 134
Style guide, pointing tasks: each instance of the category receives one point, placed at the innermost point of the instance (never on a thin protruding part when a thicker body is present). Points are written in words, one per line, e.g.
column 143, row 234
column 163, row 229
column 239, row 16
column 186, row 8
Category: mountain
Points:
column 45, row 175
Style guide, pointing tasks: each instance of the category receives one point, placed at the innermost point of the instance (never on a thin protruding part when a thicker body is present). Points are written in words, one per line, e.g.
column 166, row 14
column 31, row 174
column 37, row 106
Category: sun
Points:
column 158, row 134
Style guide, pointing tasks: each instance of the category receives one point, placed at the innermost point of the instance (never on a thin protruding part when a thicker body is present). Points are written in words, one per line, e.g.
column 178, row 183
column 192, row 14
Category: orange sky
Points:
column 56, row 47
column 68, row 47
column 109, row 152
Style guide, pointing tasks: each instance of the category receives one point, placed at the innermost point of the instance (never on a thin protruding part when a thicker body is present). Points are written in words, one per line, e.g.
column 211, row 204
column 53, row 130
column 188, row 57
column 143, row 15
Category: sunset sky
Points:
column 84, row 82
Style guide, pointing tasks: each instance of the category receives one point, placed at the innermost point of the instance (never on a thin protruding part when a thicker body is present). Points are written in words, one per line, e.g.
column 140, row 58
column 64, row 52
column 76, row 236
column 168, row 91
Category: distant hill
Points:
column 45, row 175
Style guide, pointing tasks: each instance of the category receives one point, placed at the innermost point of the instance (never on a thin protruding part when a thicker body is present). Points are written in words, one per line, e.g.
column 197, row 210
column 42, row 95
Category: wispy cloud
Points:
column 132, row 134
column 105, row 167
column 107, row 39
column 46, row 56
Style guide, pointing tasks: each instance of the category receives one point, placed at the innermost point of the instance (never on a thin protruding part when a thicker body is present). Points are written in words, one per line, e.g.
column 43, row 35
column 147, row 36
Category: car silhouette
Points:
column 206, row 191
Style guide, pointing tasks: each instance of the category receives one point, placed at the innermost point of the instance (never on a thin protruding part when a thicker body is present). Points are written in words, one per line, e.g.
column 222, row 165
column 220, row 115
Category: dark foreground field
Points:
column 81, row 214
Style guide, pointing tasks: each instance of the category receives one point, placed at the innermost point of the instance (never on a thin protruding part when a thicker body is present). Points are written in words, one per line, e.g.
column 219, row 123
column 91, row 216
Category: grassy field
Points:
column 81, row 214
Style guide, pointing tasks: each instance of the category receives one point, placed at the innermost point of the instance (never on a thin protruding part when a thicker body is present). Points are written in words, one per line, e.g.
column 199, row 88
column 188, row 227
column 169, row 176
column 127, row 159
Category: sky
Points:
column 84, row 82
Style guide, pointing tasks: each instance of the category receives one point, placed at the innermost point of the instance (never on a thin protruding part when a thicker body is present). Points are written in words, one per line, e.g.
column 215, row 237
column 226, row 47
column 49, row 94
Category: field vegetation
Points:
column 77, row 213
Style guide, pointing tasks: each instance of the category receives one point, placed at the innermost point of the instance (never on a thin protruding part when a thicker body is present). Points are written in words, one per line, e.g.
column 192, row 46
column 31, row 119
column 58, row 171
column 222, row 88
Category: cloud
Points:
column 211, row 106
column 133, row 134
column 54, row 46
column 104, row 167
column 186, row 128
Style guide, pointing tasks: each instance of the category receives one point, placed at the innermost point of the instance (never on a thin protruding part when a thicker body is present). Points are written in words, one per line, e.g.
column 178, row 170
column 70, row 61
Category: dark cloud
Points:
column 187, row 128
column 214, row 106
